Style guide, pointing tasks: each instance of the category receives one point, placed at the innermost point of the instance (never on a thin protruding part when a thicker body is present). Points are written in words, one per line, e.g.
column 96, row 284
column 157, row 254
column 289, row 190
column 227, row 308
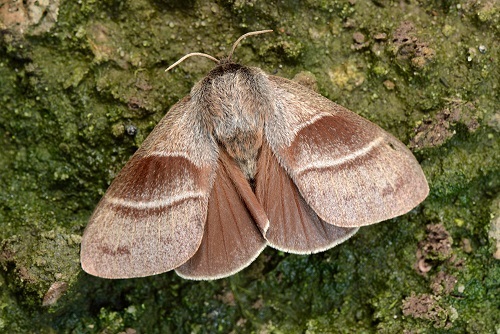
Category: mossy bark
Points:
column 75, row 76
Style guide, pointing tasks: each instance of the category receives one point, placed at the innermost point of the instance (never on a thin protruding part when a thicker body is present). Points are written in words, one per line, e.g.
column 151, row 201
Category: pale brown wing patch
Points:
column 159, row 242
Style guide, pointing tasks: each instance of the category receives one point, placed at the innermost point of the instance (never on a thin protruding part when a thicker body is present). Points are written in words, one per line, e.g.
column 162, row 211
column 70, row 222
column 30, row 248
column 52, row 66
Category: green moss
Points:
column 67, row 96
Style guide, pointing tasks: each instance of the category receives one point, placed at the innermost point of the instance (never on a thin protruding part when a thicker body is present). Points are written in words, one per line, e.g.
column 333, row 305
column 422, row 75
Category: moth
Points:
column 244, row 161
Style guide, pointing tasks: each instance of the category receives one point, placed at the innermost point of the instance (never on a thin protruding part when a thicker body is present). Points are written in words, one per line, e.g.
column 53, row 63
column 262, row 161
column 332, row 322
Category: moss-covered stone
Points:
column 72, row 81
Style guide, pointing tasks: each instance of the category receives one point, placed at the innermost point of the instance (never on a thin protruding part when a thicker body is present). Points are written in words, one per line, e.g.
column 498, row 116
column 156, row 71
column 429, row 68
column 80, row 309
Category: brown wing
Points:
column 152, row 217
column 349, row 170
column 293, row 226
column 232, row 237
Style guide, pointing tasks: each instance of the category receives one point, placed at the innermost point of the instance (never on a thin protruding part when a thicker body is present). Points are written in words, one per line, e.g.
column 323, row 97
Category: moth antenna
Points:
column 190, row 55
column 244, row 36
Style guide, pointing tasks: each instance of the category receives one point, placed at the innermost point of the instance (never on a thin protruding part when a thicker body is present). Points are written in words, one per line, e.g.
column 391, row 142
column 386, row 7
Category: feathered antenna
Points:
column 213, row 58
column 245, row 36
column 190, row 55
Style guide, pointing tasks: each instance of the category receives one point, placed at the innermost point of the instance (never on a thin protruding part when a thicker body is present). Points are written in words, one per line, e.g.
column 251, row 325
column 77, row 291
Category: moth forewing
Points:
column 350, row 171
column 152, row 217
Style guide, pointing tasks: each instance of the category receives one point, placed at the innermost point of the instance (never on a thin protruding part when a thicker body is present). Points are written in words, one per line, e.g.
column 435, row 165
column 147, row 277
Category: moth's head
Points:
column 225, row 66
column 226, row 83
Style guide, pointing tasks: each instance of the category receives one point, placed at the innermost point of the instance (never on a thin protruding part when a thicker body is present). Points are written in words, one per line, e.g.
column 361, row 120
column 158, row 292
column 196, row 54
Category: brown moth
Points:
column 247, row 160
